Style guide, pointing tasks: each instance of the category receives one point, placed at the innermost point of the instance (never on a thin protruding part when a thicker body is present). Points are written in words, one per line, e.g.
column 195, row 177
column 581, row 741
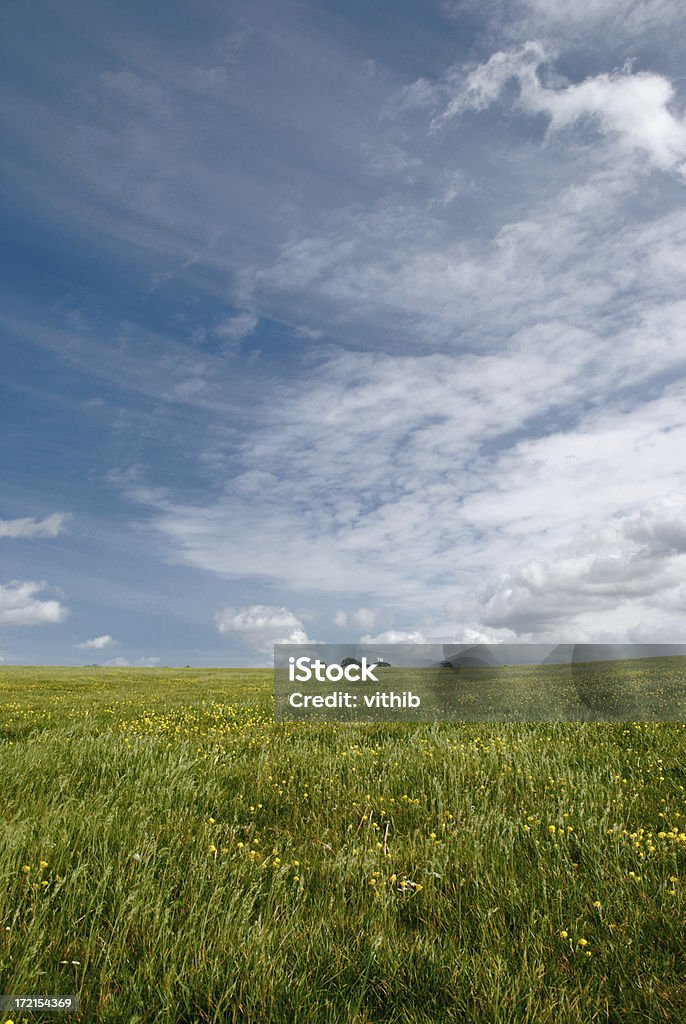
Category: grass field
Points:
column 637, row 689
column 171, row 855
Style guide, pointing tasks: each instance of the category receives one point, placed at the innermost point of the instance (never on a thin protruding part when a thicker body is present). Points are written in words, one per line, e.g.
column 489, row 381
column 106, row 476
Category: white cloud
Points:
column 27, row 527
column 450, row 514
column 634, row 109
column 98, row 643
column 633, row 566
column 20, row 607
column 261, row 626
column 235, row 328
column 254, row 619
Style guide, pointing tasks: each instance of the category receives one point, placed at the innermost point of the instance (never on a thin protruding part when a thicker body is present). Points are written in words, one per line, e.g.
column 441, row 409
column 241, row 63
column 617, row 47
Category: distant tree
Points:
column 382, row 664
column 349, row 661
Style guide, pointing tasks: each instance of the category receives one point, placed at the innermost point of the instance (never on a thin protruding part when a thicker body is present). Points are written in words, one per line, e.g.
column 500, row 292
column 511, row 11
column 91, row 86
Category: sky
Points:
column 337, row 322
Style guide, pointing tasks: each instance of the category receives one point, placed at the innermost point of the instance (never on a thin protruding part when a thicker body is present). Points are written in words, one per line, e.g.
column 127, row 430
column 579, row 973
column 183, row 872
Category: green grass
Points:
column 640, row 689
column 422, row 873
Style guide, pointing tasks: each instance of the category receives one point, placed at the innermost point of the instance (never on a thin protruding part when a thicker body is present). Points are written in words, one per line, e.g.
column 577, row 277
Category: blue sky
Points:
column 338, row 321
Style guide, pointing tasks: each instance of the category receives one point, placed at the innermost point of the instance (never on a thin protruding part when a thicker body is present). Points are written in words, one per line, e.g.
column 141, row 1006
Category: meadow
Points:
column 170, row 854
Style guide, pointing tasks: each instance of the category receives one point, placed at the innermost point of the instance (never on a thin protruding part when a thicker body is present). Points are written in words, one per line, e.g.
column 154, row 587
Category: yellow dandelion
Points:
column 551, row 829
column 418, row 887
column 583, row 942
column 596, row 903
column 213, row 849
column 42, row 863
column 26, row 869
column 372, row 881
column 564, row 935
column 241, row 845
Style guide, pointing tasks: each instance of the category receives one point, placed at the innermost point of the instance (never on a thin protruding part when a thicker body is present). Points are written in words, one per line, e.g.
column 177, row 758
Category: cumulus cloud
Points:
column 98, row 643
column 636, row 559
column 20, row 607
column 261, row 626
column 28, row 527
column 634, row 109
